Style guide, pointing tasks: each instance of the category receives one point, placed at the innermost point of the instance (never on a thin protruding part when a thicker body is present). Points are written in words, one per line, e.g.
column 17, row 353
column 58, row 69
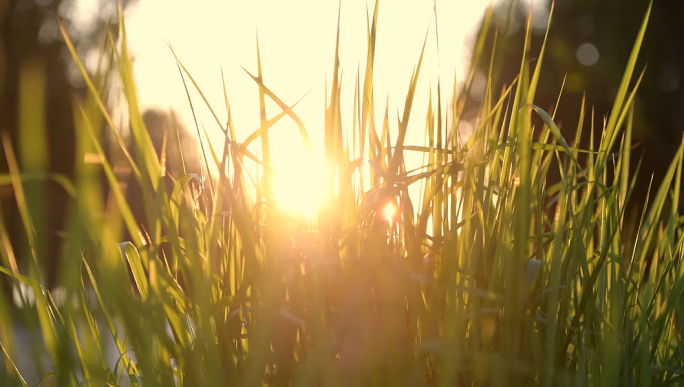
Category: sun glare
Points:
column 389, row 211
column 298, row 184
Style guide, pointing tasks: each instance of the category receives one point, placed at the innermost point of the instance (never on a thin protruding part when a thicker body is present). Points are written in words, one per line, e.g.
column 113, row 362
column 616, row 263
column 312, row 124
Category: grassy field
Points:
column 490, row 277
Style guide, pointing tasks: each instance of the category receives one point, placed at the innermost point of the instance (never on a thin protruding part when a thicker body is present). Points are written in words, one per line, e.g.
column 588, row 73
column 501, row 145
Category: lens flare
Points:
column 388, row 211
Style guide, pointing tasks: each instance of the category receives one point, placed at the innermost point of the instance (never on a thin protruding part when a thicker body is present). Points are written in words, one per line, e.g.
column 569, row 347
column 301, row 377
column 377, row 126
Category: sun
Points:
column 389, row 211
column 298, row 183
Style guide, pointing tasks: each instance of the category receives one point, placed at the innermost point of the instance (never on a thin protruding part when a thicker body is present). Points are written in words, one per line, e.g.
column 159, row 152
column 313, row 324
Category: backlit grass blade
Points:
column 658, row 203
column 557, row 134
column 43, row 310
column 269, row 123
column 13, row 366
column 63, row 181
column 130, row 366
column 133, row 258
column 94, row 93
column 199, row 90
column 22, row 203
column 144, row 147
column 398, row 157
column 367, row 100
column 625, row 157
column 194, row 117
column 111, row 178
column 477, row 54
column 521, row 131
column 302, row 129
column 540, row 59
column 612, row 127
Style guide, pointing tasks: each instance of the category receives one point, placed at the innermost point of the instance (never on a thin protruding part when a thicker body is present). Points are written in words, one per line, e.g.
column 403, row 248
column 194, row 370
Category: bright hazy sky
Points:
column 297, row 42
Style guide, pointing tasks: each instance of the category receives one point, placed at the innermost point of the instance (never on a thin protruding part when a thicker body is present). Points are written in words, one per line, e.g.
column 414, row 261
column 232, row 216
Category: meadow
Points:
column 492, row 276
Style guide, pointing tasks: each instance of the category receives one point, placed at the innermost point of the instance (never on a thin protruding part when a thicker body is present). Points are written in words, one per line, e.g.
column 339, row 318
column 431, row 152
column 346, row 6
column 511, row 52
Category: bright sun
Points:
column 298, row 183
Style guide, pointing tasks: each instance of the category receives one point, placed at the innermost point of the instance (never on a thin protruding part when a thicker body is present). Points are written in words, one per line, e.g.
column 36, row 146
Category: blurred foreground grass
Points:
column 490, row 277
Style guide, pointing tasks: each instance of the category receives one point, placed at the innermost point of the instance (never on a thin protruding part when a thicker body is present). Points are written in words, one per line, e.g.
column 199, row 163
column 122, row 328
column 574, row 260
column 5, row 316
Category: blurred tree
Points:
column 30, row 36
column 590, row 41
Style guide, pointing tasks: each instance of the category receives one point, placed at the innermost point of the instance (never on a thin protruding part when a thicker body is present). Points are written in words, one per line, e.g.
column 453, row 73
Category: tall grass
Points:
column 491, row 277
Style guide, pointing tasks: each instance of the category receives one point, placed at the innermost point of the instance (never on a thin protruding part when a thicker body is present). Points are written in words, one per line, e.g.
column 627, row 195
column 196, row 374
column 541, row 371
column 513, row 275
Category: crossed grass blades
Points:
column 490, row 277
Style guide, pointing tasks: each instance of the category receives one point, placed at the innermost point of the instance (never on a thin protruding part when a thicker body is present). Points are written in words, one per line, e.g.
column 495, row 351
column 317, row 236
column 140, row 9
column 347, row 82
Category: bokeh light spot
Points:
column 587, row 54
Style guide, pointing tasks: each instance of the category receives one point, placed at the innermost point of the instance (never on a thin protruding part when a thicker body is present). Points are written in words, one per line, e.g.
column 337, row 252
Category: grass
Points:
column 493, row 276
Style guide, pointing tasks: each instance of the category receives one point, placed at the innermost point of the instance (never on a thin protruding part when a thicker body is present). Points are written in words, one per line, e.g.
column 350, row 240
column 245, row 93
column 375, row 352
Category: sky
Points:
column 297, row 45
column 297, row 42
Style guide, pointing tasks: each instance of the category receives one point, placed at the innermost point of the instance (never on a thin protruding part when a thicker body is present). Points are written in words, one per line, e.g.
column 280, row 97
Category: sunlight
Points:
column 389, row 211
column 297, row 183
column 291, row 67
